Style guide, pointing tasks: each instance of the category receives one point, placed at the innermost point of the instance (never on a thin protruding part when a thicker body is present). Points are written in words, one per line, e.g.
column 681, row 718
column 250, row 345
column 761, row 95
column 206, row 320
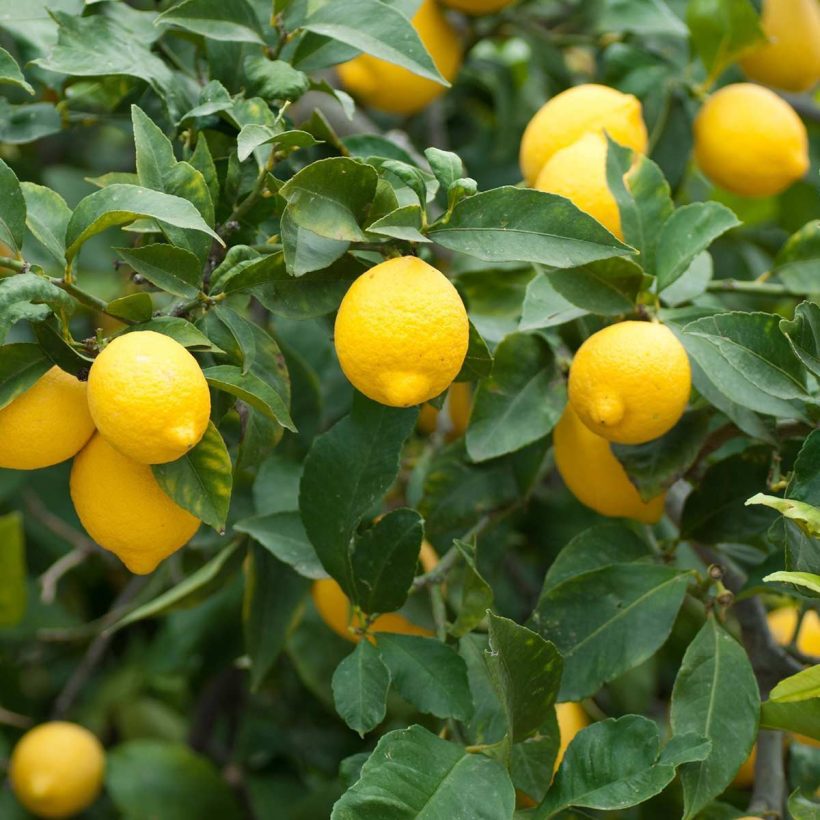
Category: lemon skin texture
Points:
column 594, row 476
column 569, row 115
column 477, row 7
column 791, row 59
column 401, row 332
column 750, row 141
column 45, row 425
column 395, row 90
column 124, row 510
column 148, row 397
column 57, row 769
column 335, row 610
column 630, row 382
column 578, row 172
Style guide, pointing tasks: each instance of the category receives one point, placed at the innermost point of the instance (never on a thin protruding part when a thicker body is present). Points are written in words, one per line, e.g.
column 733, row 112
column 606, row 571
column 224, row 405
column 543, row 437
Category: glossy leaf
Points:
column 283, row 534
column 250, row 389
column 230, row 20
column 360, row 685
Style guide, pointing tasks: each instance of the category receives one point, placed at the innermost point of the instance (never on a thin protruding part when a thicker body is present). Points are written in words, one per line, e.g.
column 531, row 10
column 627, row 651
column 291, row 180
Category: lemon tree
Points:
column 409, row 409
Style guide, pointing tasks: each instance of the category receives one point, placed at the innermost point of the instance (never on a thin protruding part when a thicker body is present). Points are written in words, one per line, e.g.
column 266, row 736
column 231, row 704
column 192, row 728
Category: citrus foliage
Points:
column 408, row 408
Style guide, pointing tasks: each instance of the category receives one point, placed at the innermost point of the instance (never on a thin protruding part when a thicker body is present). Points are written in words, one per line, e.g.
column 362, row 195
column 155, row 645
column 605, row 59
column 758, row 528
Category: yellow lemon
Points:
column 478, row 6
column 401, row 332
column 782, row 623
column 791, row 59
column 745, row 777
column 123, row 508
column 148, row 397
column 45, row 425
column 630, row 382
column 458, row 405
column 593, row 474
column 578, row 172
column 569, row 115
column 388, row 87
column 335, row 610
column 56, row 769
column 750, row 141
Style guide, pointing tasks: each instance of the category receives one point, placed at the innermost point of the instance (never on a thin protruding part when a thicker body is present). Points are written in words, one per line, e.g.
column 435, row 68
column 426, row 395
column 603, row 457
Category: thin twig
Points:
column 9, row 718
column 756, row 288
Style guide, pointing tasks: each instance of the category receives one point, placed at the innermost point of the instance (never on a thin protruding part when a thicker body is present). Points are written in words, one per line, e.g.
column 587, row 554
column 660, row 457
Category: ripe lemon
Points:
column 574, row 112
column 56, row 769
column 401, row 332
column 593, row 474
column 745, row 777
column 791, row 59
column 458, row 406
column 630, row 382
column 750, row 141
column 148, row 397
column 335, row 610
column 578, row 172
column 388, row 87
column 782, row 623
column 124, row 509
column 45, row 425
column 478, row 6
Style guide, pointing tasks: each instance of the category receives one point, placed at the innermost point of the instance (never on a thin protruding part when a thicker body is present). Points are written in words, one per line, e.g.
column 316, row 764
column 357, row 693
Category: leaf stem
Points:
column 17, row 265
column 758, row 288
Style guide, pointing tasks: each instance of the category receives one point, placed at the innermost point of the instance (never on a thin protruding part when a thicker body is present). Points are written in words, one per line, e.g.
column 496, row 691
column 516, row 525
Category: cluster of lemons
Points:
column 146, row 402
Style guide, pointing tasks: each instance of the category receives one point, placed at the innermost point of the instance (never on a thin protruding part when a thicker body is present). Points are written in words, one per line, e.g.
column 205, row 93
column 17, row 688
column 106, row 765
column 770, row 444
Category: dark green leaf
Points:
column 58, row 350
column 31, row 297
column 445, row 165
column 413, row 773
column 476, row 594
column 306, row 251
column 519, row 403
column 715, row 696
column 804, row 484
column 692, row 282
column 47, row 217
column 134, row 307
column 796, row 262
column 21, row 365
column 172, row 269
column 10, row 73
column 252, row 390
column 20, row 124
column 12, row 209
column 201, row 481
column 254, row 135
column 526, row 671
column 283, row 534
column 608, row 287
column 428, row 674
column 803, row 333
column 181, row 330
column 608, row 620
column 230, row 20
column 275, row 79
column 360, row 685
column 545, row 307
column 521, row 225
column 478, row 363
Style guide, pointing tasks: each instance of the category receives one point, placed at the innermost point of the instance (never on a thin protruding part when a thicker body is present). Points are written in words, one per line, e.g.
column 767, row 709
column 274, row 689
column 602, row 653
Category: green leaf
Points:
column 181, row 330
column 802, row 807
column 520, row 225
column 251, row 273
column 375, row 28
column 47, row 217
column 520, row 402
column 722, row 30
column 229, row 20
column 306, row 251
column 802, row 717
column 331, row 197
column 640, row 17
column 122, row 204
column 174, row 270
column 596, row 547
column 476, row 594
column 208, row 577
column 252, row 390
column 412, row 773
column 716, row 696
column 716, row 510
column 348, row 470
column 446, row 166
column 801, row 579
column 12, row 209
column 428, row 674
column 803, row 333
column 526, row 672
column 608, row 287
column 796, row 262
column 21, row 365
column 21, row 124
column 253, row 136
column 615, row 764
column 655, row 466
column 804, row 484
column 692, row 282
column 134, row 307
column 273, row 595
column 166, row 781
column 753, row 345
column 13, row 590
column 478, row 363
column 403, row 223
column 801, row 686
column 545, row 307
column 10, row 73
column 283, row 535
column 31, row 297
column 689, row 231
column 201, row 481
column 58, row 350
column 608, row 620
column 384, row 561
column 806, row 516
column 360, row 685
column 275, row 80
